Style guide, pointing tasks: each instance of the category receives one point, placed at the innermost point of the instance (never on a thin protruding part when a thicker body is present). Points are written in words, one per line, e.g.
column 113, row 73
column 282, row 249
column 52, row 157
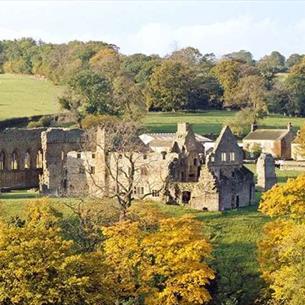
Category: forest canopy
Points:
column 102, row 80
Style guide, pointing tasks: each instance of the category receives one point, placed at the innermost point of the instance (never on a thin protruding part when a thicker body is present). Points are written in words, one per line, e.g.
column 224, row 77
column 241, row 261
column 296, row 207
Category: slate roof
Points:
column 166, row 139
column 267, row 134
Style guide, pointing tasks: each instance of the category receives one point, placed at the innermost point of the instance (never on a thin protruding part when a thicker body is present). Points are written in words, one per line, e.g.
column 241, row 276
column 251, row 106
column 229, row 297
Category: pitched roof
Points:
column 166, row 139
column 267, row 134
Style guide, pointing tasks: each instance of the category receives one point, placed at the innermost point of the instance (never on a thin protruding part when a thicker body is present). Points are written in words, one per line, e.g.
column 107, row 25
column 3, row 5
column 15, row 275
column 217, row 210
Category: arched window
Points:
column 2, row 160
column 39, row 159
column 14, row 161
column 27, row 160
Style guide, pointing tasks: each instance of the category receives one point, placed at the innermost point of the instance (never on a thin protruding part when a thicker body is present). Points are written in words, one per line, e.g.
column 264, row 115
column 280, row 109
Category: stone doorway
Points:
column 186, row 197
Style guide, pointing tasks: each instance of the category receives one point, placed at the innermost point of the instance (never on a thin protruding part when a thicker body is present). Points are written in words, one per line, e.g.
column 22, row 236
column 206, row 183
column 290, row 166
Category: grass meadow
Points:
column 25, row 95
column 210, row 122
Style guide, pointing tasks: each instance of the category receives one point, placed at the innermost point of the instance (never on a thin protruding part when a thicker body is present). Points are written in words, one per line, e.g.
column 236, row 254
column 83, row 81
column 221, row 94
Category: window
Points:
column 27, row 160
column 92, row 170
column 163, row 153
column 134, row 190
column 81, row 169
column 140, row 190
column 232, row 156
column 63, row 155
column 93, row 155
column 223, row 157
column 2, row 161
column 144, row 171
column 79, row 155
column 39, row 159
column 155, row 193
column 144, row 156
column 14, row 162
column 195, row 162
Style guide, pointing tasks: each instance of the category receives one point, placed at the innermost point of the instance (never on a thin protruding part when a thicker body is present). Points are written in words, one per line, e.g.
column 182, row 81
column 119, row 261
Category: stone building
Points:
column 276, row 142
column 224, row 182
column 168, row 167
column 265, row 169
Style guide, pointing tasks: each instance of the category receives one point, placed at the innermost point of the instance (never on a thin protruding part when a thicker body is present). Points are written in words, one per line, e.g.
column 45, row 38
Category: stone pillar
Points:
column 265, row 168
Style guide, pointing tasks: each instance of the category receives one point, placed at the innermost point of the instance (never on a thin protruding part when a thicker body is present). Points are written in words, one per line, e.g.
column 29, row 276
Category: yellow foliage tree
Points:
column 106, row 61
column 167, row 265
column 285, row 200
column 39, row 267
column 282, row 249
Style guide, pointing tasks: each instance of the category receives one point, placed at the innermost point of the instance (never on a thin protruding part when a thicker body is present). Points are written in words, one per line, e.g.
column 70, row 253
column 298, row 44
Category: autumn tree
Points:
column 281, row 250
column 166, row 265
column 285, row 200
column 39, row 267
column 230, row 73
column 106, row 62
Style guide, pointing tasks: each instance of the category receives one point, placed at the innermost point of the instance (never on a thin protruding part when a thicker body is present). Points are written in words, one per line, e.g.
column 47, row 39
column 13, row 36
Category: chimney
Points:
column 183, row 128
column 289, row 126
column 253, row 127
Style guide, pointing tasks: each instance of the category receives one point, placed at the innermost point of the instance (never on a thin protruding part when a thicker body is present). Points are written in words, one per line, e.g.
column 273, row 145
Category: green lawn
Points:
column 209, row 122
column 25, row 95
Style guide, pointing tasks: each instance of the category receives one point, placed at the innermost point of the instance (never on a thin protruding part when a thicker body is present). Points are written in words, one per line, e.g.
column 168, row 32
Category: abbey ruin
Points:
column 172, row 167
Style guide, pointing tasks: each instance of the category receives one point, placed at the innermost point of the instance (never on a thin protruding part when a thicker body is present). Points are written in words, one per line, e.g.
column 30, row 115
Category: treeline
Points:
column 102, row 80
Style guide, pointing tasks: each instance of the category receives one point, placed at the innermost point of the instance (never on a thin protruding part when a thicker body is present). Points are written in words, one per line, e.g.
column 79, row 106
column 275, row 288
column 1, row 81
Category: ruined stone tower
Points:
column 265, row 168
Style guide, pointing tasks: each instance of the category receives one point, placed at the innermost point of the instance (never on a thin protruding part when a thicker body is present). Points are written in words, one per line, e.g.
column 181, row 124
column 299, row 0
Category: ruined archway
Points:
column 14, row 160
column 2, row 160
column 27, row 160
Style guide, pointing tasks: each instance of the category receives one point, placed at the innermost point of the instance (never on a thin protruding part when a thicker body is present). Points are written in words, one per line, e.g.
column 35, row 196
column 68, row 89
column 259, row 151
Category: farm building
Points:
column 276, row 142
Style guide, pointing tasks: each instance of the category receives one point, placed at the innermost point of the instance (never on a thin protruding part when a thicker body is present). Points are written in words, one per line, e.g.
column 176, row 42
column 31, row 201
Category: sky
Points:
column 161, row 27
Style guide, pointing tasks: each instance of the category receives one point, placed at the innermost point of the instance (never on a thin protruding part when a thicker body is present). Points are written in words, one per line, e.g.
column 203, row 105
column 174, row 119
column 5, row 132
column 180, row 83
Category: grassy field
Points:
column 209, row 122
column 24, row 95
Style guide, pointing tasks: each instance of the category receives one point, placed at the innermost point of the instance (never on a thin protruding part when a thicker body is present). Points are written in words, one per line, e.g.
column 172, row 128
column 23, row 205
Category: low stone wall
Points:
column 292, row 165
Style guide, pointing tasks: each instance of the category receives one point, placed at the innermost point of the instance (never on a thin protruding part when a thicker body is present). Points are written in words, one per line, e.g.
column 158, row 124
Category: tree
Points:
column 271, row 64
column 281, row 251
column 229, row 73
column 242, row 56
column 88, row 92
column 190, row 56
column 39, row 267
column 300, row 140
column 251, row 92
column 242, row 121
column 163, row 265
column 168, row 86
column 129, row 97
column 294, row 59
column 106, row 62
column 285, row 200
column 295, row 83
column 125, row 159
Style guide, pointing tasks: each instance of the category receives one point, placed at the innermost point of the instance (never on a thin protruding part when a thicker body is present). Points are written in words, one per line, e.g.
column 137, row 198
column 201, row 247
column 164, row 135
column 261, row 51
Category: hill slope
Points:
column 25, row 95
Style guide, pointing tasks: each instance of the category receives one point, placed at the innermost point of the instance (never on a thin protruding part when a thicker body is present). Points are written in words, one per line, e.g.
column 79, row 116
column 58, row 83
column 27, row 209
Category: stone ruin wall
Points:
column 20, row 158
column 56, row 144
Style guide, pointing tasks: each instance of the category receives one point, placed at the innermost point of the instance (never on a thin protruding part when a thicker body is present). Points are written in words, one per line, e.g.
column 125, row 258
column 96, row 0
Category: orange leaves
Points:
column 167, row 264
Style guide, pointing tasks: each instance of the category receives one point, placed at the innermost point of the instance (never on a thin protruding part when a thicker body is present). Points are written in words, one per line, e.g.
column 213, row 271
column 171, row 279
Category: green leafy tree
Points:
column 88, row 92
column 168, row 86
